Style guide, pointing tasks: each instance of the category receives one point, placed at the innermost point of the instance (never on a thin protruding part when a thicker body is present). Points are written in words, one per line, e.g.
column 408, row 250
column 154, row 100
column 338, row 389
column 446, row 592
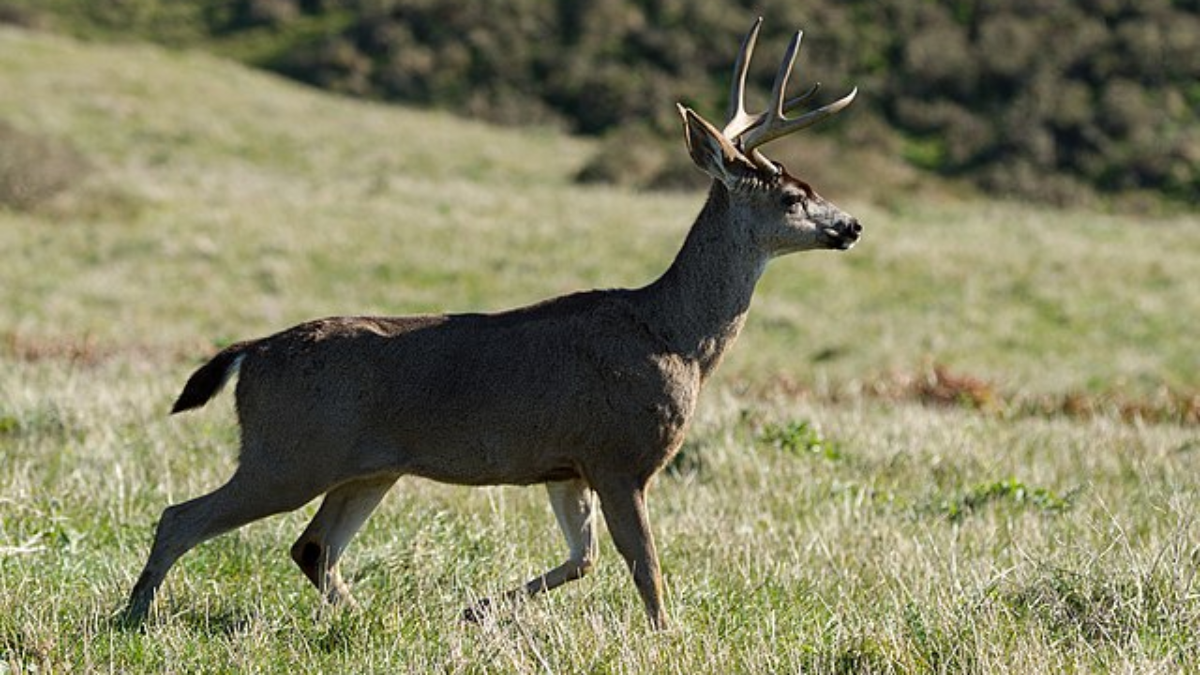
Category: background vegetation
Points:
column 1051, row 99
column 968, row 445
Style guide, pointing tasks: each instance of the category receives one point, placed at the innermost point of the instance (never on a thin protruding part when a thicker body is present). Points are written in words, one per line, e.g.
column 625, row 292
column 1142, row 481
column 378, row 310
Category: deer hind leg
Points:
column 184, row 526
column 624, row 506
column 574, row 506
column 342, row 513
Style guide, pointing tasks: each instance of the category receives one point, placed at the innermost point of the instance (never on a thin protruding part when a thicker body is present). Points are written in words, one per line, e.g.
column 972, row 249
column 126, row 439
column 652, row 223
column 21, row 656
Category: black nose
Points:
column 854, row 227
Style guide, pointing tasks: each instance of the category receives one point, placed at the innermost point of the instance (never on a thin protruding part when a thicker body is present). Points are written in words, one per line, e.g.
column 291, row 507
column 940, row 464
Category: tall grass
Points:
column 932, row 540
column 798, row 532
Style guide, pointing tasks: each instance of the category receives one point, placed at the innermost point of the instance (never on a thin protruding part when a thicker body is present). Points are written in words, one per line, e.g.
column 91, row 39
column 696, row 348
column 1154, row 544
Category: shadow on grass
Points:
column 225, row 622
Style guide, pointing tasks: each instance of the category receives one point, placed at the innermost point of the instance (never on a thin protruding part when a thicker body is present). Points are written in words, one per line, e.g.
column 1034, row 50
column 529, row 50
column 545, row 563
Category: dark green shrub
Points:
column 17, row 15
column 632, row 157
column 1025, row 97
column 34, row 169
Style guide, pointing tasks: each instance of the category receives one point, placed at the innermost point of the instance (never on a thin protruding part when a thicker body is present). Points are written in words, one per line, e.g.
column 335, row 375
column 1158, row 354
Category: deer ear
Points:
column 711, row 151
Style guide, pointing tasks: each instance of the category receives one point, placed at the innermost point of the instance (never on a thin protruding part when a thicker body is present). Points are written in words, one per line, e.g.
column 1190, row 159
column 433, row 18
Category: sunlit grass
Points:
column 796, row 533
column 775, row 560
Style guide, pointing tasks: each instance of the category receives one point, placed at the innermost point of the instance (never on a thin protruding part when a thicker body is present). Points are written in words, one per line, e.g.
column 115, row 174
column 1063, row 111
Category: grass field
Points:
column 825, row 515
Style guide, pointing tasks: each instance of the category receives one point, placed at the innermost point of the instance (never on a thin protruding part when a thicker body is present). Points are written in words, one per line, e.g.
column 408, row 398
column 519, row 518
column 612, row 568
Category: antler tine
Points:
column 802, row 98
column 775, row 127
column 772, row 124
column 739, row 119
column 778, row 89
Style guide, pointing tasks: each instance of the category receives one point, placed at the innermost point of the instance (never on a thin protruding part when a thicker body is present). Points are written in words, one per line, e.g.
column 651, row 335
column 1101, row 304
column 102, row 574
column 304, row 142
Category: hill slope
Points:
column 226, row 203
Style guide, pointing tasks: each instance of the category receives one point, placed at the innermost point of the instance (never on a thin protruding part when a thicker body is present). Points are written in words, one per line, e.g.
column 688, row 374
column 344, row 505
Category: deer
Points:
column 589, row 393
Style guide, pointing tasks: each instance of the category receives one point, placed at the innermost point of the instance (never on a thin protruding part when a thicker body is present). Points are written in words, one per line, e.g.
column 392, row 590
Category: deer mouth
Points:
column 842, row 239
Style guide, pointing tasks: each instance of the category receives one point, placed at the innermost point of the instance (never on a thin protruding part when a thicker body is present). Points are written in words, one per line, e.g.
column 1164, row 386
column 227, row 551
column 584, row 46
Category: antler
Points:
column 751, row 131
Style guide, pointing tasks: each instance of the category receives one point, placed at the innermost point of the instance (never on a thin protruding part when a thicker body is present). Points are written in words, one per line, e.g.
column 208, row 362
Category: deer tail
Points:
column 209, row 378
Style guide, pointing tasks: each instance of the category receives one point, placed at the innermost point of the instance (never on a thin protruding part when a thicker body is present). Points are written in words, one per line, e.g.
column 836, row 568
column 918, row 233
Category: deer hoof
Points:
column 478, row 612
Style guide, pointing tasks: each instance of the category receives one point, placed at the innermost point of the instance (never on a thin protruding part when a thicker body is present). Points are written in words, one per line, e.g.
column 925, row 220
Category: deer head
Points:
column 785, row 214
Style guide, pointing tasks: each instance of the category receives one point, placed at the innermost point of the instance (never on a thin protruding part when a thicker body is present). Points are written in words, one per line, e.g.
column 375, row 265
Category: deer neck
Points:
column 699, row 305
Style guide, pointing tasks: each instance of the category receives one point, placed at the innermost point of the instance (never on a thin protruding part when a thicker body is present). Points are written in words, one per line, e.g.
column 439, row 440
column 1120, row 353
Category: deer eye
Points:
column 791, row 199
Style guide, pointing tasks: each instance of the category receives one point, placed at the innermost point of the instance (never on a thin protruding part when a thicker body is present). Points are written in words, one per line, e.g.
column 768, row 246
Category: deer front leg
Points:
column 342, row 513
column 624, row 505
column 574, row 506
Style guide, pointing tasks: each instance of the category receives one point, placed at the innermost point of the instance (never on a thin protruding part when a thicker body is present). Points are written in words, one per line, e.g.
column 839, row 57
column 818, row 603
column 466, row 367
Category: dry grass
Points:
column 828, row 533
column 930, row 540
column 34, row 169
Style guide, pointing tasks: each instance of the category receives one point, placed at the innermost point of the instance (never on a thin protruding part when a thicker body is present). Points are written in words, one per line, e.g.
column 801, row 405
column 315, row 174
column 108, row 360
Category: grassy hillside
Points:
column 812, row 522
column 225, row 202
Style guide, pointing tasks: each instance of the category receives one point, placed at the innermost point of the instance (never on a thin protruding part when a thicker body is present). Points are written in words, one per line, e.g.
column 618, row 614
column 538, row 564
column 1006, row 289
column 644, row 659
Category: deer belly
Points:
column 476, row 448
column 480, row 462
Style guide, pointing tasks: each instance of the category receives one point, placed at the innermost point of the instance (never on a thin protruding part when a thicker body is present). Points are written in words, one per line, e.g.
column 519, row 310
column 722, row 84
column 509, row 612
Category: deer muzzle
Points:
column 843, row 234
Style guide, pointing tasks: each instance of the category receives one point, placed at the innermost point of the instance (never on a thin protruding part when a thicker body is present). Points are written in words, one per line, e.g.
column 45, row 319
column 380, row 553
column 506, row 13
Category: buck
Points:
column 589, row 393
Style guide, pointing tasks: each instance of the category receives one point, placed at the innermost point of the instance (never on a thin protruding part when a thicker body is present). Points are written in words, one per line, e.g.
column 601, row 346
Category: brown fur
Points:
column 589, row 393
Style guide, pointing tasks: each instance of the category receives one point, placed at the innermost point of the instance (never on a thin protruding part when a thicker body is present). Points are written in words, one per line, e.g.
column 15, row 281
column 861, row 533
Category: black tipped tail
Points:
column 208, row 380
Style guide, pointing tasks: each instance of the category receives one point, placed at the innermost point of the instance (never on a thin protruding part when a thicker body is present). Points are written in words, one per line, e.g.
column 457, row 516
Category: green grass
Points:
column 775, row 560
column 809, row 524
